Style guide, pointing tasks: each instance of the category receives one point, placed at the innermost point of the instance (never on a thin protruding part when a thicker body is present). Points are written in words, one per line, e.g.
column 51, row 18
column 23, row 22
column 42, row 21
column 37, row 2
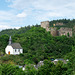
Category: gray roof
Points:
column 56, row 60
column 16, row 46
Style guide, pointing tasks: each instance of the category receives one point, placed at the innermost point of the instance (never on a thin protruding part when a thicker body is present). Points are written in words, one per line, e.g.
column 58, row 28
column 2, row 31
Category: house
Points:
column 40, row 64
column 13, row 48
column 56, row 61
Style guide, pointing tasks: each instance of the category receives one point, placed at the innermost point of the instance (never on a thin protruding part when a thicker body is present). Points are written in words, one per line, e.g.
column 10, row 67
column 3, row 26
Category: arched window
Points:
column 15, row 50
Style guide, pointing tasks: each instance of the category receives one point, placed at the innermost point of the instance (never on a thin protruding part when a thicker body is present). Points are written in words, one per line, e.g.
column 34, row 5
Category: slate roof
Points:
column 16, row 46
column 56, row 60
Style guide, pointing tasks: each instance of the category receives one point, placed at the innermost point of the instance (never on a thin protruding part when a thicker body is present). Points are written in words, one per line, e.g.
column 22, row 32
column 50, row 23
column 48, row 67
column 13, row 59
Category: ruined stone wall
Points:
column 53, row 31
column 65, row 31
column 45, row 24
column 74, row 30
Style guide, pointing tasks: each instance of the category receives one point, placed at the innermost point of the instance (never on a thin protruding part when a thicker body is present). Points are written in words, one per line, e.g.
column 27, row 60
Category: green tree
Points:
column 30, row 70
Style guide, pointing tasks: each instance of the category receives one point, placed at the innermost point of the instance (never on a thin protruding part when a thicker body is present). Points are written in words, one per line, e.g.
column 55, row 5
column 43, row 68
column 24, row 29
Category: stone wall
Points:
column 74, row 30
column 45, row 24
column 53, row 31
column 65, row 31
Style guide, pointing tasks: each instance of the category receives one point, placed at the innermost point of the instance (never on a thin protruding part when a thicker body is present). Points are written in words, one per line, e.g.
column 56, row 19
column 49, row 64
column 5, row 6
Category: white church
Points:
column 13, row 48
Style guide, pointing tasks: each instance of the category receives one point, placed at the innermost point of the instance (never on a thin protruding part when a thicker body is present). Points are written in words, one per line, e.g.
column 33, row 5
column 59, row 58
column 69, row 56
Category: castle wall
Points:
column 74, row 30
column 45, row 24
column 65, row 31
column 53, row 31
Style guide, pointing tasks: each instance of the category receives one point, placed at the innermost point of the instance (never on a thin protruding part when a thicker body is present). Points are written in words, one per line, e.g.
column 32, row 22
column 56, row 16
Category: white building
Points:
column 13, row 48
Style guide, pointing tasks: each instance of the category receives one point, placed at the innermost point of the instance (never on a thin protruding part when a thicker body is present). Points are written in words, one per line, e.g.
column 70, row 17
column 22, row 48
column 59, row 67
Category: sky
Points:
column 20, row 13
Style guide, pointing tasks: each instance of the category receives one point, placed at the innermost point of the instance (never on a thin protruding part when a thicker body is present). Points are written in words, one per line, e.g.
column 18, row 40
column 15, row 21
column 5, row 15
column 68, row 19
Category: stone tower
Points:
column 45, row 24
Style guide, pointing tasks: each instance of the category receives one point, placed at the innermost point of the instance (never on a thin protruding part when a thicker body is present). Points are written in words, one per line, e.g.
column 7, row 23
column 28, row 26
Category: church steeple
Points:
column 10, row 41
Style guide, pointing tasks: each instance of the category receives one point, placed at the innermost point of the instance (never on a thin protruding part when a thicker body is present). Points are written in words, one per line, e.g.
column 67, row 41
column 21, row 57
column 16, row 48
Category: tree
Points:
column 30, row 70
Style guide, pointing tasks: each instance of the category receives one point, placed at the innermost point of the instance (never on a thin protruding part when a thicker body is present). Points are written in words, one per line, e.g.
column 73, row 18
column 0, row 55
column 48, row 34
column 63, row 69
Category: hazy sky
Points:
column 20, row 13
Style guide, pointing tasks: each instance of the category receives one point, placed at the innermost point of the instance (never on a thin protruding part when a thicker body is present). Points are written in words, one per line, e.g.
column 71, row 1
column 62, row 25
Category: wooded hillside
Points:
column 38, row 45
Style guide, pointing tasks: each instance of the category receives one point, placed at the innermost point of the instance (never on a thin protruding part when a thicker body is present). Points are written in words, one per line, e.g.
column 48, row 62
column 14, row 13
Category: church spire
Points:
column 10, row 41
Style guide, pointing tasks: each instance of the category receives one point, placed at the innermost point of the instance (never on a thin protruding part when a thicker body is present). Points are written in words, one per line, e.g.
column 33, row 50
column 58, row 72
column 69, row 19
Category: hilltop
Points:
column 17, row 31
column 58, row 23
column 38, row 45
column 63, row 23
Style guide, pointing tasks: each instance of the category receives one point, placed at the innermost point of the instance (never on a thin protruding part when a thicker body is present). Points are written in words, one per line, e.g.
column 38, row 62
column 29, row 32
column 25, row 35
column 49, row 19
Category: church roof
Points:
column 16, row 46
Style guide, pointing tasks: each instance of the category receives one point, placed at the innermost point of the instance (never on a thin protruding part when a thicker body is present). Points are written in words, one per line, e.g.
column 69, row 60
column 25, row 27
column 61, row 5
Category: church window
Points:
column 19, row 50
column 15, row 50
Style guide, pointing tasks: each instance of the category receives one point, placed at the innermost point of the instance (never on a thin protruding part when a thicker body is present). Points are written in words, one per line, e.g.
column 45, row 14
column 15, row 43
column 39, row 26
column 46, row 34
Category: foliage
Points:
column 51, row 69
column 17, row 31
column 66, row 23
column 30, row 70
column 7, row 69
column 39, row 45
column 71, row 57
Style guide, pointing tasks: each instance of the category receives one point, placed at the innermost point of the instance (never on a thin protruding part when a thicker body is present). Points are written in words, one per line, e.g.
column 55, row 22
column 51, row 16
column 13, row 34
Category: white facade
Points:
column 13, row 48
column 9, row 50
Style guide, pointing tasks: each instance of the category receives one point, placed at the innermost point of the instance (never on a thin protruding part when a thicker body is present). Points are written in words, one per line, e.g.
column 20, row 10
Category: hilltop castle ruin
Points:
column 57, row 32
